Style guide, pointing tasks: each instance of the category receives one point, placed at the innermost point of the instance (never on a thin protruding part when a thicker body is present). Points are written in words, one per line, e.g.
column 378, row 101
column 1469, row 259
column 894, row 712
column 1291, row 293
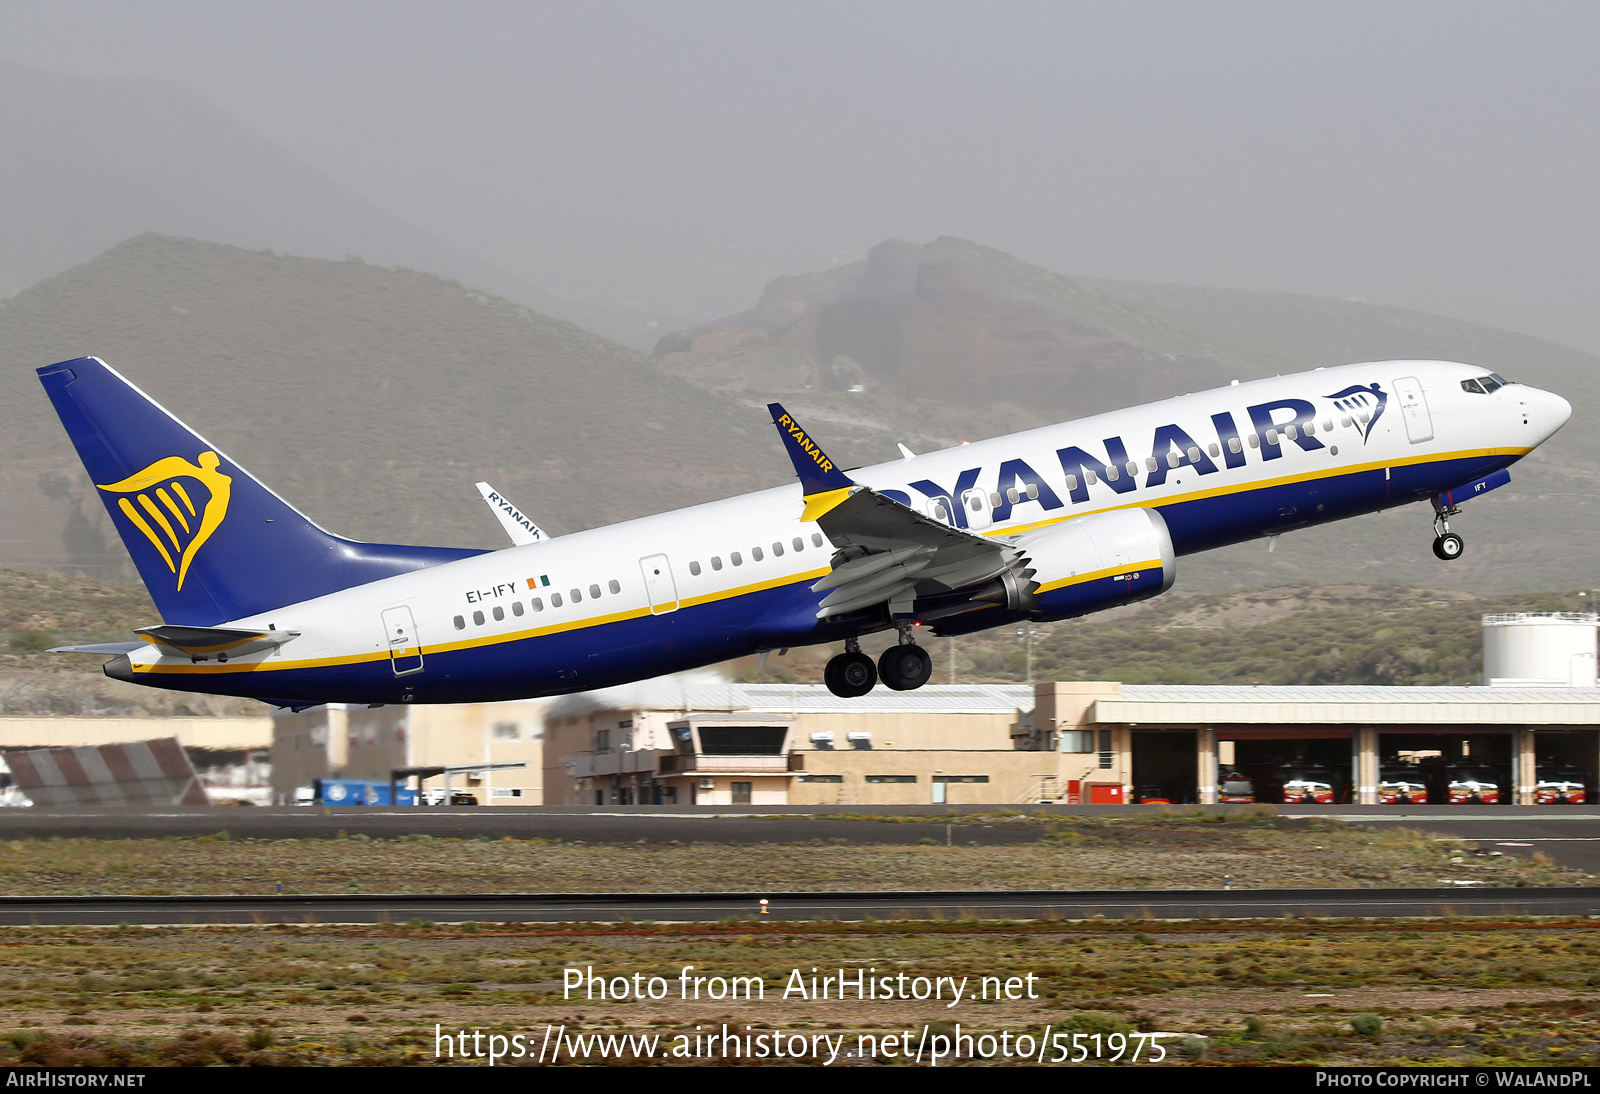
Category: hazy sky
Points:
column 677, row 155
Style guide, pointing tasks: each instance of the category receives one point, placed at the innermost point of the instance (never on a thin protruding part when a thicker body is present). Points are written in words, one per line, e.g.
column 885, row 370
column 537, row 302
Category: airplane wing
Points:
column 518, row 527
column 887, row 552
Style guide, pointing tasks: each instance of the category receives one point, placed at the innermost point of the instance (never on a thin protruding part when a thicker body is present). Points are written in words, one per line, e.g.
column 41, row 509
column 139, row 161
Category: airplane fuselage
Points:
column 721, row 580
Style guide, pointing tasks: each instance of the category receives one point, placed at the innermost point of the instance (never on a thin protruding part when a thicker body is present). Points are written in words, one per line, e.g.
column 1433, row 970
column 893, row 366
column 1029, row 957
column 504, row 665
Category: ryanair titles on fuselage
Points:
column 1271, row 424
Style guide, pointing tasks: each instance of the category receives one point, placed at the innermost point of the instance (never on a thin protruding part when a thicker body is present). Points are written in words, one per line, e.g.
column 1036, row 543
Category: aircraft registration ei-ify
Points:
column 1047, row 524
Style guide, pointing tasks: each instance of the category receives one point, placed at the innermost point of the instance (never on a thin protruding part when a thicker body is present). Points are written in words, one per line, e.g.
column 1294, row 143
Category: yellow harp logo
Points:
column 171, row 505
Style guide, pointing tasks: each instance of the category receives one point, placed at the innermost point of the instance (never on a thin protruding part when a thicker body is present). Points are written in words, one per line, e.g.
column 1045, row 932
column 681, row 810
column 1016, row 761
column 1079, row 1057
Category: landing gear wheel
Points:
column 905, row 668
column 1449, row 546
column 850, row 675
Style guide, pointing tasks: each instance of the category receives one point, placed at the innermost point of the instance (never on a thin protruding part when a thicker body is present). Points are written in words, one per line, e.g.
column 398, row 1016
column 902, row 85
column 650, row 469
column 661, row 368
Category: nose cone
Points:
column 1550, row 412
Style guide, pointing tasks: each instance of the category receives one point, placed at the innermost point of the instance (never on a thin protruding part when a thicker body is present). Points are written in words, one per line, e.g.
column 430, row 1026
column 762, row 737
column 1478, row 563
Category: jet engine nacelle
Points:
column 1097, row 561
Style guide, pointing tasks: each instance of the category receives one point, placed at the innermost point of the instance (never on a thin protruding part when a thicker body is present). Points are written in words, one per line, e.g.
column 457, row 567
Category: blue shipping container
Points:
column 358, row 792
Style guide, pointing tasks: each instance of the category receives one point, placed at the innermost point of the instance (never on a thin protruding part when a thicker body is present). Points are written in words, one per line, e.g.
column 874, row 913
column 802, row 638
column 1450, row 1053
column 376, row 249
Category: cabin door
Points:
column 1414, row 409
column 658, row 584
column 400, row 631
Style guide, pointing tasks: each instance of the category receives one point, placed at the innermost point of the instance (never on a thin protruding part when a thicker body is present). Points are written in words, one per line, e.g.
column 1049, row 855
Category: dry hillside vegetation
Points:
column 371, row 398
column 1442, row 992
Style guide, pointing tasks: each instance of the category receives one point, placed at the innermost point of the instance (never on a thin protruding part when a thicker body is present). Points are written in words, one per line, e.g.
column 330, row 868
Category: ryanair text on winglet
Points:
column 788, row 425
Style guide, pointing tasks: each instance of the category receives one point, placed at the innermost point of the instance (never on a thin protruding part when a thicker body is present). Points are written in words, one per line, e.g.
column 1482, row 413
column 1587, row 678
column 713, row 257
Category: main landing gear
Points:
column 905, row 666
column 1446, row 544
column 851, row 674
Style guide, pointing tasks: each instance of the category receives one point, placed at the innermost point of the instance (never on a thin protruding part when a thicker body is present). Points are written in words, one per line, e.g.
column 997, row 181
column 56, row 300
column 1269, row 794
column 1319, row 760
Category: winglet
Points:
column 521, row 530
column 822, row 484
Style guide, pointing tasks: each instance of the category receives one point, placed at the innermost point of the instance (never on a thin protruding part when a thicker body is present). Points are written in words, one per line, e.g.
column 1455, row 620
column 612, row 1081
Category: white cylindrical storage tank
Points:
column 1539, row 649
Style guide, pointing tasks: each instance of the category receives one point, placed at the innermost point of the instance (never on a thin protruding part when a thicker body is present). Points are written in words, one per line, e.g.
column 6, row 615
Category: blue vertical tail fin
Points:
column 210, row 541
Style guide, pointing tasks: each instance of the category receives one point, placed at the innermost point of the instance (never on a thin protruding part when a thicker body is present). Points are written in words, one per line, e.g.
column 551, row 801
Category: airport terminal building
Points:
column 1529, row 735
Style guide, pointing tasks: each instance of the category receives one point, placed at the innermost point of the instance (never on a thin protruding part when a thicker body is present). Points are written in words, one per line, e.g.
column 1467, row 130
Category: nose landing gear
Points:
column 1446, row 544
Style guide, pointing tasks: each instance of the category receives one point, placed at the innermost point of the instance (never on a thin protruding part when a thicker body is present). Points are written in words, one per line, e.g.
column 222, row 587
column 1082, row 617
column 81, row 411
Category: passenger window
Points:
column 994, row 500
column 694, row 569
column 1272, row 436
column 1255, row 441
column 1344, row 420
column 1012, row 496
column 1327, row 425
column 816, row 539
column 1311, row 428
column 461, row 624
column 594, row 592
column 1088, row 475
column 733, row 557
column 1133, row 469
column 1234, row 446
column 1112, row 475
column 939, row 511
column 716, row 562
column 1072, row 482
column 1194, row 455
column 756, row 555
column 537, row 604
column 1290, row 432
column 577, row 596
column 516, row 607
column 1150, row 463
column 1173, row 459
column 777, row 550
column 1215, row 451
column 799, row 544
column 1033, row 492
column 477, row 619
column 616, row 586
column 555, row 600
column 499, row 613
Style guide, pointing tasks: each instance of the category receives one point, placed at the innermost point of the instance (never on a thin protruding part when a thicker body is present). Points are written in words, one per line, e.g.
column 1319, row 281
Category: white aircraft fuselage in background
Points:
column 1045, row 524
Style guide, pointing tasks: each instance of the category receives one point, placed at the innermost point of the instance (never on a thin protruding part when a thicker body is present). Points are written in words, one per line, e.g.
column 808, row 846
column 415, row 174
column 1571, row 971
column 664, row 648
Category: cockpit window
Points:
column 1483, row 385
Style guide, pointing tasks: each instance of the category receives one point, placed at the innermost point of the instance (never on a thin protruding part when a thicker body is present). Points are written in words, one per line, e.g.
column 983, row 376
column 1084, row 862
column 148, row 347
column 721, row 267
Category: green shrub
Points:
column 1367, row 1025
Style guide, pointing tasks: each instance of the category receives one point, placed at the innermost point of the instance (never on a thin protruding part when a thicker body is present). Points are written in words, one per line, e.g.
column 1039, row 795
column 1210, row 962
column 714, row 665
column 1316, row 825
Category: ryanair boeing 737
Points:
column 1056, row 522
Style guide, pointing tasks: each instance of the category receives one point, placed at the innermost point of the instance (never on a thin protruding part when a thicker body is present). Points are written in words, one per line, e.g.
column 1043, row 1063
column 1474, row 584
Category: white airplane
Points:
column 1047, row 524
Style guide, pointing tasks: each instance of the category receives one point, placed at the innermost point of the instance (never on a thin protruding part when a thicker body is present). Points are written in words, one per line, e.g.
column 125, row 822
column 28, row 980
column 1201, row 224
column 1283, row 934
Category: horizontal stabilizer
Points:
column 102, row 648
column 219, row 642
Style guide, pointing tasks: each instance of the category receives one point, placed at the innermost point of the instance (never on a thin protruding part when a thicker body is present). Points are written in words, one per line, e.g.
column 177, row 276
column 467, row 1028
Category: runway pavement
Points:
column 1570, row 835
column 683, row 907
